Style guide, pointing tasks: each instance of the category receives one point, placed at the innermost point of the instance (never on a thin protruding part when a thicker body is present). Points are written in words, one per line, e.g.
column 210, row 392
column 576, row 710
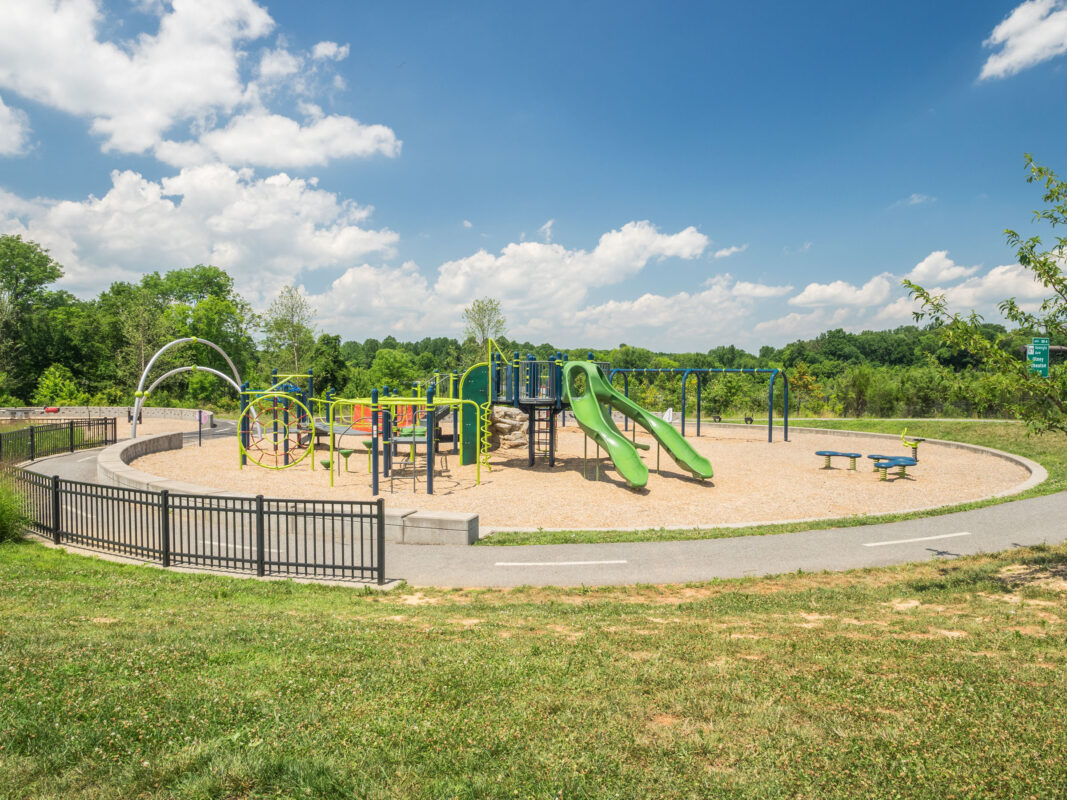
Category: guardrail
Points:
column 267, row 536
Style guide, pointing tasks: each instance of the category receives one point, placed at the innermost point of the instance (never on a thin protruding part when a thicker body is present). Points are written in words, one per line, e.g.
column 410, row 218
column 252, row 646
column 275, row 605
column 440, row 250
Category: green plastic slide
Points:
column 591, row 406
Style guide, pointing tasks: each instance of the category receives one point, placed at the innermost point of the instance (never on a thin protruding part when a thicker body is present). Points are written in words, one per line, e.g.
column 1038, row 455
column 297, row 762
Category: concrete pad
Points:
column 441, row 527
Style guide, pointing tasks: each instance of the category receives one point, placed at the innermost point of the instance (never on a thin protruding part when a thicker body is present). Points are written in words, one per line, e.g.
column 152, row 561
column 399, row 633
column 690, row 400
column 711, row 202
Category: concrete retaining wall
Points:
column 402, row 525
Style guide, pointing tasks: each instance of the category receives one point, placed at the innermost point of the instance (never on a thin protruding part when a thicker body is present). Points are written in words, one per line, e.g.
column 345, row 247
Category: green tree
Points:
column 1041, row 402
column 393, row 368
column 484, row 320
column 57, row 388
column 25, row 270
column 289, row 337
column 328, row 363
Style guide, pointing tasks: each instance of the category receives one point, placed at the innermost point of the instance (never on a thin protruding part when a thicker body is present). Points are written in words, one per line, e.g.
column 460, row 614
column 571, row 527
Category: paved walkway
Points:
column 1014, row 524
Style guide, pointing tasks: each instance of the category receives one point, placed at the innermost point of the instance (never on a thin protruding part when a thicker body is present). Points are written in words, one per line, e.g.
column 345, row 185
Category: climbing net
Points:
column 276, row 431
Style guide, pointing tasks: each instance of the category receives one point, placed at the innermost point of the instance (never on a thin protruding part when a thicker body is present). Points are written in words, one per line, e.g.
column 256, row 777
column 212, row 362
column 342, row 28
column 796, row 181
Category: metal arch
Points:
column 139, row 396
column 176, row 370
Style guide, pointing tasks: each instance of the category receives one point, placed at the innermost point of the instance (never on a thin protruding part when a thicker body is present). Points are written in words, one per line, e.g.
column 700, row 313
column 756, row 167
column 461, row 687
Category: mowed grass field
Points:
column 1049, row 450
column 938, row 680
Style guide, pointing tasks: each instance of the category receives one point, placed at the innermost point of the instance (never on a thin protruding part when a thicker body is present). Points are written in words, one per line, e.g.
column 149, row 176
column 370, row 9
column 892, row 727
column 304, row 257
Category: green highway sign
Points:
column 1037, row 355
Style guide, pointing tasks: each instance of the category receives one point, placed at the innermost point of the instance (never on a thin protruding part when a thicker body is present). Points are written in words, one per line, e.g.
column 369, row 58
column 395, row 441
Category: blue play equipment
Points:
column 828, row 454
column 701, row 375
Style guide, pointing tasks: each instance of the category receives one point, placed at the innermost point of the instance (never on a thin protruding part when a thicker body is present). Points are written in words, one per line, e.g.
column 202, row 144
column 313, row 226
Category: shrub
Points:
column 12, row 520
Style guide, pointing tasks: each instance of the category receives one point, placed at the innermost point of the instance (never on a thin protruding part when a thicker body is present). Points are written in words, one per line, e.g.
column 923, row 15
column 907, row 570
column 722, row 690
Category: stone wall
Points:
column 118, row 412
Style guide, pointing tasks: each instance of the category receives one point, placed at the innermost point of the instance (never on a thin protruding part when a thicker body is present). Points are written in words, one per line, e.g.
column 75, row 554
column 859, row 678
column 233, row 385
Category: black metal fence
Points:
column 52, row 438
column 296, row 538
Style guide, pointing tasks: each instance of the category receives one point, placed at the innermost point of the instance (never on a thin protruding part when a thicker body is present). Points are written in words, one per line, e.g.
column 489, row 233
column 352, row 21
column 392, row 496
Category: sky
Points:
column 677, row 175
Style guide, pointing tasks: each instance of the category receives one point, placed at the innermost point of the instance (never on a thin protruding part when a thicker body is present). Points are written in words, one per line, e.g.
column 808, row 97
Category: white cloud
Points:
column 759, row 290
column 1035, row 31
column 264, row 231
column 1000, row 283
column 148, row 93
column 937, row 268
column 546, row 230
column 915, row 199
column 272, row 140
column 277, row 64
column 726, row 252
column 840, row 293
column 134, row 90
column 14, row 130
column 468, row 224
column 531, row 276
column 899, row 312
column 329, row 51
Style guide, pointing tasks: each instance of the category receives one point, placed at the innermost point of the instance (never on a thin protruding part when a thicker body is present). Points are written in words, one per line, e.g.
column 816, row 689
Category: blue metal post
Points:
column 243, row 433
column 770, row 407
column 515, row 379
column 453, row 384
column 785, row 407
column 374, row 412
column 698, row 405
column 685, row 378
column 429, row 441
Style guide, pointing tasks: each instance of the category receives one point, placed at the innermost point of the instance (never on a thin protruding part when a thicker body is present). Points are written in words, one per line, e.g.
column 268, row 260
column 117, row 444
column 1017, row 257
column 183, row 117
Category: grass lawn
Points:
column 939, row 680
column 1049, row 450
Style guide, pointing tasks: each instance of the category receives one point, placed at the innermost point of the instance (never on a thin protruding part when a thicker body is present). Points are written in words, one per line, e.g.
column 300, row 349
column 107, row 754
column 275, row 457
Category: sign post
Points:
column 1037, row 355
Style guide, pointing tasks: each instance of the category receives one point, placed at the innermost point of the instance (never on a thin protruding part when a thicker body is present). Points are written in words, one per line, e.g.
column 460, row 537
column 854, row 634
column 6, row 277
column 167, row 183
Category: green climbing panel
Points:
column 474, row 386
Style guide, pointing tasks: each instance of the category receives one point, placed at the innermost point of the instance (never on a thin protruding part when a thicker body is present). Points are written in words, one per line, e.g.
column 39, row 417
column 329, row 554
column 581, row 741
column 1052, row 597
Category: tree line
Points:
column 58, row 349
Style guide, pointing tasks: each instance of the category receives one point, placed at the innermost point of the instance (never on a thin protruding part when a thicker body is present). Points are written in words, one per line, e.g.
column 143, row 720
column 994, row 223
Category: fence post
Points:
column 261, row 566
column 381, row 541
column 33, row 444
column 164, row 525
column 70, row 425
column 55, row 509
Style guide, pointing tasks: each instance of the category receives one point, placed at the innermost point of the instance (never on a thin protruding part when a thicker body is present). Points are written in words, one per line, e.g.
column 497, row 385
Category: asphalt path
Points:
column 1014, row 524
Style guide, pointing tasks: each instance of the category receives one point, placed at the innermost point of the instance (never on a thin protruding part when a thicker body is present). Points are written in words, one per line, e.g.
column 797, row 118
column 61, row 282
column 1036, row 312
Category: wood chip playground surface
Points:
column 755, row 481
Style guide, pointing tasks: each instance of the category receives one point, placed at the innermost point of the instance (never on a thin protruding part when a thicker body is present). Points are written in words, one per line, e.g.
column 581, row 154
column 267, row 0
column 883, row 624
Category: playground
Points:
column 755, row 481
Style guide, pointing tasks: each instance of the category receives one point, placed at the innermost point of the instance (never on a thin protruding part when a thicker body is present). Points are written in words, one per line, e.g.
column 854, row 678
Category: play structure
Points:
column 286, row 424
column 701, row 376
column 141, row 394
column 882, row 463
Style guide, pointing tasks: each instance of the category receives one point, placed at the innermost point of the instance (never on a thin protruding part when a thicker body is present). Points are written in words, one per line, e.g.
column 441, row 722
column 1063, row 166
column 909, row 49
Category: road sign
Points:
column 1037, row 355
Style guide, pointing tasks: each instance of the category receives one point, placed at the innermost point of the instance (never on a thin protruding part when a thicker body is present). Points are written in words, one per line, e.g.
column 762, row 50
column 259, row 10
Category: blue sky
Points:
column 673, row 175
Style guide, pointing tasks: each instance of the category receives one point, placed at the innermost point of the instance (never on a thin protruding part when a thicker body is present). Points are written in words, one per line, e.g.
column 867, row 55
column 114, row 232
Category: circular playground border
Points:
column 114, row 467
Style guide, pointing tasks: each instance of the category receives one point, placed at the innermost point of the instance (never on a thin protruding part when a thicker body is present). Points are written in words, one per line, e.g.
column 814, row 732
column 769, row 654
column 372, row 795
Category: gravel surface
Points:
column 755, row 481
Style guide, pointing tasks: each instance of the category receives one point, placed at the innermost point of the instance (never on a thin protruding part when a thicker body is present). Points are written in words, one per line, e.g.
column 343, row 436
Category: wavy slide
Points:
column 592, row 411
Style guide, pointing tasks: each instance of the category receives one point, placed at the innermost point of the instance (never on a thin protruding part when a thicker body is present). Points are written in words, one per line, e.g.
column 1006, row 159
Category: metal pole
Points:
column 381, row 541
column 698, row 405
column 685, row 378
column 429, row 441
column 55, row 508
column 374, row 412
column 164, row 525
column 261, row 555
column 70, row 426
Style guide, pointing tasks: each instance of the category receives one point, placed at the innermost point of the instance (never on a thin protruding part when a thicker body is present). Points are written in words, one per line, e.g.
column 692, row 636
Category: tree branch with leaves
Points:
column 1041, row 402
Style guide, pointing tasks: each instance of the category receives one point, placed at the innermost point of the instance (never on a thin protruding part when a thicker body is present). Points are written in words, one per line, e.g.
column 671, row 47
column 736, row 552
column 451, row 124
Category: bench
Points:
column 900, row 462
column 828, row 454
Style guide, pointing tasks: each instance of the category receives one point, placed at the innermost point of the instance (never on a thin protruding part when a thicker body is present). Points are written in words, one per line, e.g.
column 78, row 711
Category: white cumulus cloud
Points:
column 726, row 252
column 531, row 275
column 938, row 268
column 178, row 92
column 1033, row 32
column 840, row 293
column 276, row 141
column 263, row 231
column 14, row 130
column 329, row 51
